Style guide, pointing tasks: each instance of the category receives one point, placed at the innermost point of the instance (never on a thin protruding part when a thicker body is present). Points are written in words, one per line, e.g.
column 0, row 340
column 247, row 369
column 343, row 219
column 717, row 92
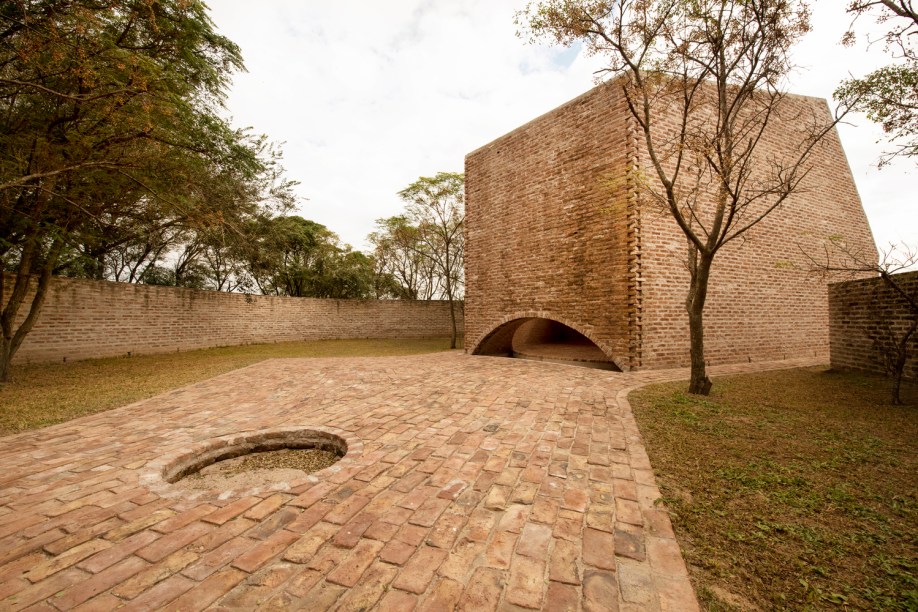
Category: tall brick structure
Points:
column 563, row 250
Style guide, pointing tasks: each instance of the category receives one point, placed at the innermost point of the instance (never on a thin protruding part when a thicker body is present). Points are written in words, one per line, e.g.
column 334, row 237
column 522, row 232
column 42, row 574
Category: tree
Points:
column 221, row 259
column 107, row 123
column 893, row 341
column 348, row 276
column 436, row 207
column 404, row 269
column 702, row 80
column 889, row 95
column 297, row 257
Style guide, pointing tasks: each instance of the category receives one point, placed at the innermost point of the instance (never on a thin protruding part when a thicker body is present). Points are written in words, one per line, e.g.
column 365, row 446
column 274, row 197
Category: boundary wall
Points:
column 83, row 319
column 862, row 314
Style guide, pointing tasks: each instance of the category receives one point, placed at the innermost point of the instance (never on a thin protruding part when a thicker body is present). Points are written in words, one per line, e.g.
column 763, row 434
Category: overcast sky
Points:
column 367, row 96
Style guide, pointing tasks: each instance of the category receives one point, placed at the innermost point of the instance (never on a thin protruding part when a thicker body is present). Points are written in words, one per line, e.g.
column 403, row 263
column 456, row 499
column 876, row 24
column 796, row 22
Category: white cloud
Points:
column 368, row 96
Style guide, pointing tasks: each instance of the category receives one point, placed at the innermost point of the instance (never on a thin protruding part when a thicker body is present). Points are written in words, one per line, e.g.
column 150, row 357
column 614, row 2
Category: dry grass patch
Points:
column 45, row 394
column 793, row 489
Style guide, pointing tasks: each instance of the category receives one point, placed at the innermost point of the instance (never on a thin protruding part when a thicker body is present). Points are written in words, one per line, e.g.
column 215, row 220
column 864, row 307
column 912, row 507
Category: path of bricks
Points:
column 472, row 483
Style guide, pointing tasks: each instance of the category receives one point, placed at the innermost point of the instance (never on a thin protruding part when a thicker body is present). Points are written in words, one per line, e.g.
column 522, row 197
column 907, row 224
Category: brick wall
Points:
column 764, row 302
column 557, row 227
column 547, row 228
column 83, row 319
column 861, row 312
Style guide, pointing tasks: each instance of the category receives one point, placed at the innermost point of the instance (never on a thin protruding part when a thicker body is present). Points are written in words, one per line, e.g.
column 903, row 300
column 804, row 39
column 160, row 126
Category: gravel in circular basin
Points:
column 256, row 469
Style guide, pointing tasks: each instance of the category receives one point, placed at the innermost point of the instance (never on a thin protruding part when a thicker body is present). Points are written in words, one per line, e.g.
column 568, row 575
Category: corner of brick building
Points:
column 557, row 226
column 547, row 225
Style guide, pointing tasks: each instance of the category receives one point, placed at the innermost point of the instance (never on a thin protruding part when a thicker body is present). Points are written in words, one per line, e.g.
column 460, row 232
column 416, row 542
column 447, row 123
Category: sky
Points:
column 367, row 96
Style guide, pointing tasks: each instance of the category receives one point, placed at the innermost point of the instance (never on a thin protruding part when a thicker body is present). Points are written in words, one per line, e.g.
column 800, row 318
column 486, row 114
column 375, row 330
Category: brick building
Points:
column 566, row 259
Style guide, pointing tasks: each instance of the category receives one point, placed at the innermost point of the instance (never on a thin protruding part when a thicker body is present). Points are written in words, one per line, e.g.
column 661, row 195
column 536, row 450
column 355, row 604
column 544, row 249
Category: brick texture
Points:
column 862, row 315
column 84, row 319
column 546, row 229
column 557, row 228
column 430, row 415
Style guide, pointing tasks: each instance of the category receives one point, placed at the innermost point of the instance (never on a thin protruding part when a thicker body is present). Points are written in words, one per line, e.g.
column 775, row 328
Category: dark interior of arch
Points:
column 544, row 340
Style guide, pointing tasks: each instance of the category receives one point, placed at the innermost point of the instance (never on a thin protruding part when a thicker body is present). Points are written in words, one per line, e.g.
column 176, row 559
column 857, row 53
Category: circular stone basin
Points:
column 260, row 458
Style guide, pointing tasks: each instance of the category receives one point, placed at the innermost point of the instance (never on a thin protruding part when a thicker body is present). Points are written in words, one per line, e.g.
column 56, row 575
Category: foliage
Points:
column 703, row 82
column 297, row 257
column 110, row 141
column 889, row 95
column 789, row 490
column 435, row 206
column 403, row 268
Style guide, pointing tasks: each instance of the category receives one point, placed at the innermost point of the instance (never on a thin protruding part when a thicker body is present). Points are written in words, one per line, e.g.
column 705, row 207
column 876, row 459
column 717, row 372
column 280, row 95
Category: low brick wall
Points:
column 863, row 312
column 83, row 319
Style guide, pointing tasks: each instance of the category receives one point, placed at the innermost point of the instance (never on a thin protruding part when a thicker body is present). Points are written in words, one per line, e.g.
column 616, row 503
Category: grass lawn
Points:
column 45, row 394
column 795, row 489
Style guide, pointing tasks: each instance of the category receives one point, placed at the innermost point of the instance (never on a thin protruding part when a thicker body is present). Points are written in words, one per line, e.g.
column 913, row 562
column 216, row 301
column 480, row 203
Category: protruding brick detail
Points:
column 864, row 311
column 635, row 272
column 557, row 227
column 83, row 319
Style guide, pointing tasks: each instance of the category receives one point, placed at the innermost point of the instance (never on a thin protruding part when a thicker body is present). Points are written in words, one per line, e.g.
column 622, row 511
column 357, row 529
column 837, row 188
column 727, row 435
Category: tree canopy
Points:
column 111, row 139
column 402, row 267
column 889, row 95
column 432, row 231
column 297, row 257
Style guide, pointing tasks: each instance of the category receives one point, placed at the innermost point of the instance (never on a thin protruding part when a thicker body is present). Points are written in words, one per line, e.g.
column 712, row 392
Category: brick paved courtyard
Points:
column 473, row 483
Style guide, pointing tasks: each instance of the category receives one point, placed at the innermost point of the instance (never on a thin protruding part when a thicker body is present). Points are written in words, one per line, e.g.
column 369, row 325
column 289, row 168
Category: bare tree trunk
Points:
column 700, row 268
column 448, row 279
column 11, row 308
column 895, row 389
column 452, row 311
column 452, row 316
column 10, row 339
column 899, row 365
column 5, row 358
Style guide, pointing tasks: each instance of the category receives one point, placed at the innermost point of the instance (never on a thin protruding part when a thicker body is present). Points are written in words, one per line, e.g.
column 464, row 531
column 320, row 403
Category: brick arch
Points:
column 498, row 339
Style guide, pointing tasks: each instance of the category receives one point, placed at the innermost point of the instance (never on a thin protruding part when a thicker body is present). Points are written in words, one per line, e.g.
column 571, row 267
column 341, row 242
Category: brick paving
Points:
column 471, row 483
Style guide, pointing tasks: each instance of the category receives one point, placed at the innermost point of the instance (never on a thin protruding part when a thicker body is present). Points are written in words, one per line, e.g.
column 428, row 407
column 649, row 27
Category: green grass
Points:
column 795, row 489
column 44, row 394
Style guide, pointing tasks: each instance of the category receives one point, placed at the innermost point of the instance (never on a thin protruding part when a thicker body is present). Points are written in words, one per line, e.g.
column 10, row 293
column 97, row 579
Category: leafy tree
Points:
column 348, row 276
column 404, row 269
column 889, row 95
column 435, row 206
column 186, row 270
column 193, row 277
column 285, row 254
column 109, row 135
column 384, row 285
column 129, row 262
column 301, row 258
column 221, row 259
column 703, row 82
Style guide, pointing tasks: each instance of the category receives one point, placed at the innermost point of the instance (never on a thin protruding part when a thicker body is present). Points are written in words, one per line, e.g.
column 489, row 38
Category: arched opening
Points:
column 544, row 340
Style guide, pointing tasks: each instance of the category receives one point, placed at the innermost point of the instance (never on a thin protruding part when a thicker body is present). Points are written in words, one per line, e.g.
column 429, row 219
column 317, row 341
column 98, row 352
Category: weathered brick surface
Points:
column 84, row 319
column 546, row 232
column 863, row 316
column 557, row 228
column 391, row 542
